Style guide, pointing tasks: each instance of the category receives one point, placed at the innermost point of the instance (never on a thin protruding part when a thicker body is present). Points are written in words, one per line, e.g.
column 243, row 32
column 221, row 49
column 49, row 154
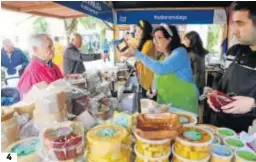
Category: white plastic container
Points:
column 152, row 148
column 234, row 143
column 142, row 158
column 177, row 158
column 245, row 155
column 221, row 153
column 225, row 132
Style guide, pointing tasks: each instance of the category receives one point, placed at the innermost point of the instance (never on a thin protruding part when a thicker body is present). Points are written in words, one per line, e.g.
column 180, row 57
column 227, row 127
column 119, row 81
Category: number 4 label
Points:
column 8, row 157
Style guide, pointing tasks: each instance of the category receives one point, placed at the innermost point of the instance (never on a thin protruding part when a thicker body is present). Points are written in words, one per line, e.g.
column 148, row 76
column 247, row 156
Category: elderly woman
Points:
column 41, row 67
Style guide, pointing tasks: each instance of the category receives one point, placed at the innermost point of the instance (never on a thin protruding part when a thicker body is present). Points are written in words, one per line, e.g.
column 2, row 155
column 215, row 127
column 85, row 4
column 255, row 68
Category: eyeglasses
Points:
column 157, row 39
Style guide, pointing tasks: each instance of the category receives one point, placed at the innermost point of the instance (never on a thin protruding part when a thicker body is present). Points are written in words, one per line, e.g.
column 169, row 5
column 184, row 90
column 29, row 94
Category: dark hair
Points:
column 146, row 32
column 196, row 44
column 175, row 43
column 246, row 6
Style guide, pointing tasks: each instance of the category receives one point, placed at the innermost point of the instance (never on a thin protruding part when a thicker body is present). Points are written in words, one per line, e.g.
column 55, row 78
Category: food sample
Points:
column 219, row 99
column 225, row 132
column 187, row 119
column 221, row 154
column 25, row 149
column 233, row 143
column 243, row 155
column 194, row 143
column 141, row 158
column 152, row 148
column 64, row 142
column 158, row 126
column 108, row 143
column 177, row 158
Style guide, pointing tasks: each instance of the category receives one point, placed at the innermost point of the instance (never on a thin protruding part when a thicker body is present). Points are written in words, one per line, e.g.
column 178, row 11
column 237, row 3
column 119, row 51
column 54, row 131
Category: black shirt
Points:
column 246, row 57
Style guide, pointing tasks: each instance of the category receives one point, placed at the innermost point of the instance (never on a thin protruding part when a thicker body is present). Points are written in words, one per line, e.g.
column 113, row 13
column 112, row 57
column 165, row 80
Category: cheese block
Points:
column 25, row 149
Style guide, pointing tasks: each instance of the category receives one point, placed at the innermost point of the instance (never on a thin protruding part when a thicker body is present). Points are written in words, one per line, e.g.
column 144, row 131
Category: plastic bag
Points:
column 62, row 141
column 30, row 129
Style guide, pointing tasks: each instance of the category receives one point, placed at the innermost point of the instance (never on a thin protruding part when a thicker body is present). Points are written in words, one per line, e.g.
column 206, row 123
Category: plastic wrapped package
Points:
column 225, row 132
column 187, row 119
column 25, row 107
column 193, row 144
column 104, row 88
column 62, row 142
column 141, row 158
column 234, row 143
column 221, row 153
column 9, row 128
column 26, row 149
column 245, row 155
column 30, row 129
column 178, row 158
column 152, row 148
column 108, row 143
column 123, row 119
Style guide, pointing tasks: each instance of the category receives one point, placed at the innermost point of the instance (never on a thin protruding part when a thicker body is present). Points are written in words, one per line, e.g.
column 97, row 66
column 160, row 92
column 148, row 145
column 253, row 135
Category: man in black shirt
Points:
column 73, row 58
column 240, row 77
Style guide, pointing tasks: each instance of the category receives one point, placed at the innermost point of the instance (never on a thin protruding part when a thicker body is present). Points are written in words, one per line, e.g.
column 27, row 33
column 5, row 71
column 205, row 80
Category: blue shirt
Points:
column 16, row 58
column 106, row 47
column 177, row 62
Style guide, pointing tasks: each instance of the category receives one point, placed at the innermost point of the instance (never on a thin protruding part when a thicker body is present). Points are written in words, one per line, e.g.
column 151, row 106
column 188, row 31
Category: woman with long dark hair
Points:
column 197, row 55
column 146, row 46
column 173, row 73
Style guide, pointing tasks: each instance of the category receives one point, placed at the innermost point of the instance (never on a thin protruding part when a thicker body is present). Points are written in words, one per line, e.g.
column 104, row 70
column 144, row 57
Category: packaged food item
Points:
column 64, row 141
column 194, row 143
column 216, row 140
column 123, row 119
column 244, row 155
column 177, row 158
column 108, row 143
column 152, row 148
column 221, row 153
column 142, row 158
column 26, row 149
column 225, row 132
column 209, row 127
column 233, row 142
column 9, row 127
column 187, row 119
column 158, row 126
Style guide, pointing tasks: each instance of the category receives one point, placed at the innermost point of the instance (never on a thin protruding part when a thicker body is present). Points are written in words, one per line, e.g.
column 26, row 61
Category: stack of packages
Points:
column 194, row 144
column 154, row 134
column 50, row 106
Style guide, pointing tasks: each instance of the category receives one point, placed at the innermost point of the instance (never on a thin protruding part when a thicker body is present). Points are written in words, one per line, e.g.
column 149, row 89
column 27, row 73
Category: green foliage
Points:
column 213, row 36
column 40, row 25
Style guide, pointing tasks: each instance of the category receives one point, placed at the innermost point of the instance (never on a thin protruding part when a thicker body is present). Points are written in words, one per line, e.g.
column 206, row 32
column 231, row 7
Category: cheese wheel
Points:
column 25, row 149
column 108, row 143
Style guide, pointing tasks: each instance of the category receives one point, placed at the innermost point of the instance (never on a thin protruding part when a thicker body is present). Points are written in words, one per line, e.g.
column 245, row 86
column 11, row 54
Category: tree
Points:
column 40, row 25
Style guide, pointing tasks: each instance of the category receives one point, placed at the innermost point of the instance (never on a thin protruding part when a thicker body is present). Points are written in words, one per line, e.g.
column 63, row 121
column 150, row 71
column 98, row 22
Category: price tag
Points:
column 8, row 157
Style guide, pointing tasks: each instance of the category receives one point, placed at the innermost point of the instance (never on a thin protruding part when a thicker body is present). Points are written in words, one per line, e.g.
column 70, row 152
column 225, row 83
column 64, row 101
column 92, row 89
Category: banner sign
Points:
column 98, row 9
column 172, row 16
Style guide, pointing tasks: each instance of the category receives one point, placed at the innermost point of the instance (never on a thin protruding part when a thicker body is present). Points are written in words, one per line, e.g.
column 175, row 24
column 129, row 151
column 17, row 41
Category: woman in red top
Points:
column 41, row 67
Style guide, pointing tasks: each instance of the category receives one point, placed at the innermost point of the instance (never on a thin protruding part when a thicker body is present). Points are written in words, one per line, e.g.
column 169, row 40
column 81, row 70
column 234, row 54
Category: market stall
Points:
column 86, row 117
